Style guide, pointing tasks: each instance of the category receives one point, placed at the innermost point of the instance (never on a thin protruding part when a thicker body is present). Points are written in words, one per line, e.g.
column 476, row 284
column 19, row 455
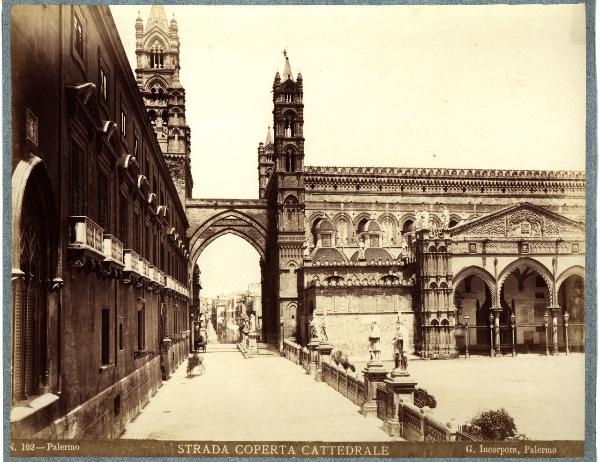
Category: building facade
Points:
column 99, row 249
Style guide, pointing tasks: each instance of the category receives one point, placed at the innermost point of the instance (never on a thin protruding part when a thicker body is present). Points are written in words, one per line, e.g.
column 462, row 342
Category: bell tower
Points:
column 285, row 191
column 157, row 75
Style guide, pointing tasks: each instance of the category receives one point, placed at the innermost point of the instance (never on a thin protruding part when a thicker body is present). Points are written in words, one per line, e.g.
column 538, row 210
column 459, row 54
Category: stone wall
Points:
column 350, row 333
column 107, row 413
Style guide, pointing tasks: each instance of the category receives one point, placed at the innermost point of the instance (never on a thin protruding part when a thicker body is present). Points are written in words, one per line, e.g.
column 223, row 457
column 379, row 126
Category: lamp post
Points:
column 546, row 332
column 467, row 327
column 566, row 316
column 513, row 328
column 491, row 318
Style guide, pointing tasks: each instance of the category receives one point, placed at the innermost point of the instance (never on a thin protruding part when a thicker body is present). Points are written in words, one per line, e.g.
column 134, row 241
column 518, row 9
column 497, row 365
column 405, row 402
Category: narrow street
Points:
column 265, row 398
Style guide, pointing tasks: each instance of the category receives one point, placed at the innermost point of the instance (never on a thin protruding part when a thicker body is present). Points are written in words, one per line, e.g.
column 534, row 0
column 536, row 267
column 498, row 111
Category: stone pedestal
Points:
column 311, row 367
column 324, row 351
column 252, row 345
column 403, row 388
column 373, row 375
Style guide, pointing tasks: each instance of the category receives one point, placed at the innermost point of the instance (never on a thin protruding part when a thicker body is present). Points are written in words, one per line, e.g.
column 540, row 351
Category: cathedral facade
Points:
column 487, row 259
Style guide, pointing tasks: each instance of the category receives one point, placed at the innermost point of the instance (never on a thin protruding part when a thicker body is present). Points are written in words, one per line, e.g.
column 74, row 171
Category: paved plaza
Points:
column 266, row 398
column 544, row 394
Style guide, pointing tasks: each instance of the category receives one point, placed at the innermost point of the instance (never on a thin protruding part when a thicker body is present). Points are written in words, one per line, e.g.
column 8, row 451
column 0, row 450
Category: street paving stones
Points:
column 266, row 398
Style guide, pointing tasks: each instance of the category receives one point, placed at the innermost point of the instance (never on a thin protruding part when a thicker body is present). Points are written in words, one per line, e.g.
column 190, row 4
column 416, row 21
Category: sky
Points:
column 492, row 86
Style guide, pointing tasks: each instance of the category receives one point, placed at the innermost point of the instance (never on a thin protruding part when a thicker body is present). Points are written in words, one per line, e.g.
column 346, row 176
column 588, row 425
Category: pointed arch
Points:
column 576, row 270
column 257, row 246
column 361, row 216
column 482, row 274
column 32, row 172
column 538, row 267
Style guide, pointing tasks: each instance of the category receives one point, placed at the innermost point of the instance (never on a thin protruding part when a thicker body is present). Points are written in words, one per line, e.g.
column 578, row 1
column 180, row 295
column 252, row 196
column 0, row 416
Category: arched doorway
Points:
column 525, row 293
column 34, row 255
column 571, row 298
column 473, row 299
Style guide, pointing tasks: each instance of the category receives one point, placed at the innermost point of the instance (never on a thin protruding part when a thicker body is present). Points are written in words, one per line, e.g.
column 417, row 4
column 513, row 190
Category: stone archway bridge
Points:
column 210, row 219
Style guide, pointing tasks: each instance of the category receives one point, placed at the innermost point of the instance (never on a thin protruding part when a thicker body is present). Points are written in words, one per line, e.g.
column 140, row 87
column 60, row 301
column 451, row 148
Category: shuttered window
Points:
column 123, row 222
column 103, row 202
column 136, row 232
column 78, row 180
column 140, row 327
column 148, row 243
column 105, row 336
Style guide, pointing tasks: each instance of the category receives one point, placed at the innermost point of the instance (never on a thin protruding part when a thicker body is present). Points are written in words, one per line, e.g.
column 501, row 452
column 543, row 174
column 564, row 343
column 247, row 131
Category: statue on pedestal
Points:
column 398, row 344
column 361, row 250
column 404, row 248
column 252, row 322
column 313, row 329
column 374, row 339
column 306, row 248
column 324, row 337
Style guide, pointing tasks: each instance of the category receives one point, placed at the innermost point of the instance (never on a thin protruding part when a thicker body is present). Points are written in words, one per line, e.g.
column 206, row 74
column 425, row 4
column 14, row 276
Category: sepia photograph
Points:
column 300, row 230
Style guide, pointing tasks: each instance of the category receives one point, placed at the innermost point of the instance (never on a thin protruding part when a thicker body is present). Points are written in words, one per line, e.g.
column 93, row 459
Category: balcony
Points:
column 86, row 242
column 131, row 260
column 85, row 235
column 113, row 249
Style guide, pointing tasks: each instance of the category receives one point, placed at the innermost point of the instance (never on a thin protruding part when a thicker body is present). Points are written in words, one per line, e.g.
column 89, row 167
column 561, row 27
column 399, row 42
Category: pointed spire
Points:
column 287, row 70
column 269, row 139
column 157, row 17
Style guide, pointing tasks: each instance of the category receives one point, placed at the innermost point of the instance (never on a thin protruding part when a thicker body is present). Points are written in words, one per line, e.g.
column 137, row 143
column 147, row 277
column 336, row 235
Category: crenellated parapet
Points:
column 444, row 180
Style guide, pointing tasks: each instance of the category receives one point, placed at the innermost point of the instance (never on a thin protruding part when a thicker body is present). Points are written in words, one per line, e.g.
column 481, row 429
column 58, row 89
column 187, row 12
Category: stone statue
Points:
column 324, row 337
column 418, row 220
column 361, row 250
column 306, row 248
column 576, row 305
column 425, row 219
column 398, row 344
column 445, row 218
column 374, row 338
column 312, row 325
column 404, row 248
column 252, row 322
column 404, row 362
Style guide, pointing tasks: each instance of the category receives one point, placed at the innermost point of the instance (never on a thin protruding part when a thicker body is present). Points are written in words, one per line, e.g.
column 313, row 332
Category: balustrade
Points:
column 131, row 260
column 86, row 234
column 113, row 248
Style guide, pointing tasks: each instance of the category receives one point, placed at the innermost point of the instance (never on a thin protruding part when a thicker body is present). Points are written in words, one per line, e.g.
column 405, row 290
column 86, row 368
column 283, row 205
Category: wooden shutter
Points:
column 103, row 202
column 78, row 180
column 123, row 222
column 105, row 336
column 17, row 373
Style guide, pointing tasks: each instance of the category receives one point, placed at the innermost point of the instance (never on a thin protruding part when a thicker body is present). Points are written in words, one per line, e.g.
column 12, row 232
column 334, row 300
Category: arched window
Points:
column 289, row 124
column 157, row 56
column 290, row 159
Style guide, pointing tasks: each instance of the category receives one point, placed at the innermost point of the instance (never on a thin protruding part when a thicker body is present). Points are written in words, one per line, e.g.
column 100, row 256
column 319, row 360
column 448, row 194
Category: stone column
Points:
column 554, row 312
column 496, row 311
column 373, row 375
column 403, row 388
column 312, row 366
